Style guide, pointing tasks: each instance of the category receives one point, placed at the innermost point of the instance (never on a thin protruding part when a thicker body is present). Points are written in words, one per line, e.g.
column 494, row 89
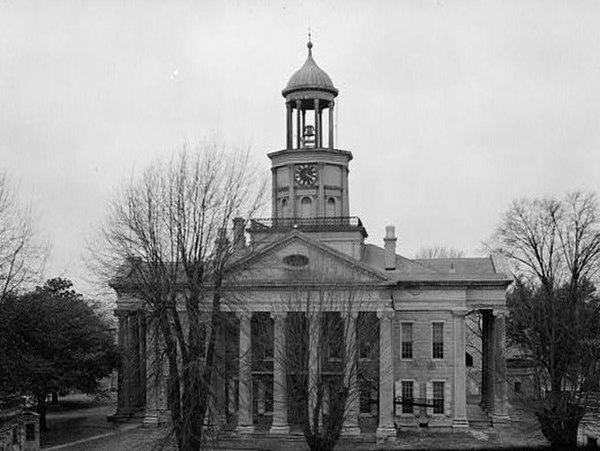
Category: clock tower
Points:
column 310, row 176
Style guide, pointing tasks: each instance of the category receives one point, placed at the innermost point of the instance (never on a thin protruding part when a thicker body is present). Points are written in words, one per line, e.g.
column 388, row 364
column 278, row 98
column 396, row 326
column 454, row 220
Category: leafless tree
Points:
column 332, row 346
column 22, row 255
column 555, row 248
column 439, row 251
column 166, row 232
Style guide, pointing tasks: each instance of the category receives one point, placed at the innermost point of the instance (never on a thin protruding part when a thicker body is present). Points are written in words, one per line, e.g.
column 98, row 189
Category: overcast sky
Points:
column 452, row 109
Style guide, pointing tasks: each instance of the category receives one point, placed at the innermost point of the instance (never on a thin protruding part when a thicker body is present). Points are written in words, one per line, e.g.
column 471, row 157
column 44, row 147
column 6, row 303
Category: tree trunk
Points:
column 556, row 382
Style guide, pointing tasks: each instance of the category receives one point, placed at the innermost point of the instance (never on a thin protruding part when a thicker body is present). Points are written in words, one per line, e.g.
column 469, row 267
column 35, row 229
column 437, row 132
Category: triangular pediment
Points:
column 296, row 258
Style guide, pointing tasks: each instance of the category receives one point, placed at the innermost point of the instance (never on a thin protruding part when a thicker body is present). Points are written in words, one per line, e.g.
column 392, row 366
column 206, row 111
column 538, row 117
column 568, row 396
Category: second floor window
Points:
column 438, row 340
column 407, row 341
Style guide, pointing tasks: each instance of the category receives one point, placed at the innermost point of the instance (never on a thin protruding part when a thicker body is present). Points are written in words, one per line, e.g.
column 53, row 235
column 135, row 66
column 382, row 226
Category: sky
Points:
column 452, row 109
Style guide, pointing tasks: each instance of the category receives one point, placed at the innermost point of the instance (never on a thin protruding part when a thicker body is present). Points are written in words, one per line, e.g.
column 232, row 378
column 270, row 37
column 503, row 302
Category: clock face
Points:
column 306, row 174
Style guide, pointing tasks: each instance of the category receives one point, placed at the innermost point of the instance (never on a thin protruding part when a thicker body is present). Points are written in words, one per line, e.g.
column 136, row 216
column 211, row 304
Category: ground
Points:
column 78, row 422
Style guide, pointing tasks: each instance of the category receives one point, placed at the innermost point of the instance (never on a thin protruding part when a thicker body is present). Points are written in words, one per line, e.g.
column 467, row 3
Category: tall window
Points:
column 408, row 396
column 438, row 340
column 332, row 326
column 330, row 209
column 306, row 207
column 438, row 397
column 407, row 340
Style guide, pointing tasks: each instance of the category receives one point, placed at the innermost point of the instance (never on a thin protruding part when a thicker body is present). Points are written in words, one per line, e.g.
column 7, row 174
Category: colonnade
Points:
column 318, row 107
column 142, row 376
column 280, row 424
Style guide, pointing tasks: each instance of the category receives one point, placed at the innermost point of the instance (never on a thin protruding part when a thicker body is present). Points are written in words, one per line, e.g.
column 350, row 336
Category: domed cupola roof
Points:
column 310, row 77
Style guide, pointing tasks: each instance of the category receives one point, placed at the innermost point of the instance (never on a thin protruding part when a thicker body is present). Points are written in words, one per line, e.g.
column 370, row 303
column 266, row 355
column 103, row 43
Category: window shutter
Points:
column 397, row 394
column 417, row 395
column 447, row 394
column 429, row 395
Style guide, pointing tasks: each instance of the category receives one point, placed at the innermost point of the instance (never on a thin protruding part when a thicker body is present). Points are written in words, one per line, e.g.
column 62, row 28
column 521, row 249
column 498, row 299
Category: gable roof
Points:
column 298, row 237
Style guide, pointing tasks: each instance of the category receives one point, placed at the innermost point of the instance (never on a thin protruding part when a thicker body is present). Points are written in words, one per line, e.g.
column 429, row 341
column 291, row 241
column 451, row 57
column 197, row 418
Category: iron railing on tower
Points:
column 333, row 223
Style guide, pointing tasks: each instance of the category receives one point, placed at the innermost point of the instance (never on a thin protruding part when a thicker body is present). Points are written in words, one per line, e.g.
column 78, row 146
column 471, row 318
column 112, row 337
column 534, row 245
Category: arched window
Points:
column 331, row 208
column 283, row 210
column 305, row 207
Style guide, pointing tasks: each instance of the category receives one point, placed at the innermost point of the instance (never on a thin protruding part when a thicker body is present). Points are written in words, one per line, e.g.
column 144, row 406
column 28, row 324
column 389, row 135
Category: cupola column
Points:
column 303, row 124
column 331, row 125
column 289, row 126
column 298, row 126
column 317, row 125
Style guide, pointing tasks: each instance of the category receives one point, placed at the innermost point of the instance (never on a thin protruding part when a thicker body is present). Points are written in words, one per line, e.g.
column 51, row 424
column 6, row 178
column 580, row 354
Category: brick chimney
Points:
column 239, row 237
column 390, row 247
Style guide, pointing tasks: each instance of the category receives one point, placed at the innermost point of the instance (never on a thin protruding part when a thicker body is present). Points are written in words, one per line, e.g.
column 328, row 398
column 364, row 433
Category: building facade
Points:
column 312, row 244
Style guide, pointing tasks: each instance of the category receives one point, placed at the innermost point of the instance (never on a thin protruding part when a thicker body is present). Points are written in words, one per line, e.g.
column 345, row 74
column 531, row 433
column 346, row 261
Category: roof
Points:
column 310, row 76
column 438, row 269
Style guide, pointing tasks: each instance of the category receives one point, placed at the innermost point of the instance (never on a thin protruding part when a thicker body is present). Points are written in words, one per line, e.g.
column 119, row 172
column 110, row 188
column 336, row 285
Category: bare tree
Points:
column 332, row 347
column 555, row 248
column 439, row 251
column 22, row 257
column 167, row 231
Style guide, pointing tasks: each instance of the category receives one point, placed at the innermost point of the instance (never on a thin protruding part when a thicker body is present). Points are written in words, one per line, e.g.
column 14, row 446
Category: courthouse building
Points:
column 416, row 307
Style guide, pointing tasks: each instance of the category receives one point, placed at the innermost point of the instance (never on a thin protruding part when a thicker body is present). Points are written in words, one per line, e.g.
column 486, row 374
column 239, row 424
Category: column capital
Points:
column 350, row 315
column 243, row 315
column 279, row 314
column 457, row 312
column 500, row 313
column 387, row 313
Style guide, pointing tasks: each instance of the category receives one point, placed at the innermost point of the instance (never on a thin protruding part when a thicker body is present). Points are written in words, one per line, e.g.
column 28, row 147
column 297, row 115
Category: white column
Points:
column 352, row 410
column 280, row 409
column 386, row 429
column 489, row 364
column 153, row 369
column 314, row 371
column 460, row 370
column 500, row 394
column 245, row 424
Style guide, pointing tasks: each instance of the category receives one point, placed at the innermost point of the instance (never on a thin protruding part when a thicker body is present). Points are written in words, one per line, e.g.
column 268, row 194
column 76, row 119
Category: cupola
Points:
column 308, row 94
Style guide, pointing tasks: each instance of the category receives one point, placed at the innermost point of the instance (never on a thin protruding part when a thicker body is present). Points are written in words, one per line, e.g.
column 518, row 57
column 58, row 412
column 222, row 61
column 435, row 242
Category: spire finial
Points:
column 309, row 44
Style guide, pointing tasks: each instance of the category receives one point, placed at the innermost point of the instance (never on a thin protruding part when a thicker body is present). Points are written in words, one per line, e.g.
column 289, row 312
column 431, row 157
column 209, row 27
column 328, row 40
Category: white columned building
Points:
column 316, row 303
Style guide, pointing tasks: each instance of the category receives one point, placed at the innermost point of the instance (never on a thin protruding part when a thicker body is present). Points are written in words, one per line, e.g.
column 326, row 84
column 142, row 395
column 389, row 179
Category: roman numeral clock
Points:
column 306, row 175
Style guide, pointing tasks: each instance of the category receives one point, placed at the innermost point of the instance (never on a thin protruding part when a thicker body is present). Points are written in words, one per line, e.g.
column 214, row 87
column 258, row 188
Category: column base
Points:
column 384, row 433
column 460, row 423
column 350, row 430
column 500, row 419
column 279, row 429
column 244, row 429
column 154, row 418
column 120, row 416
column 151, row 420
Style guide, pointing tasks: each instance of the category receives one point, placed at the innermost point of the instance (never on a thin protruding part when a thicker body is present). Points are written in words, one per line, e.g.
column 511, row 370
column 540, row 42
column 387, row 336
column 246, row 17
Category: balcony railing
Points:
column 306, row 224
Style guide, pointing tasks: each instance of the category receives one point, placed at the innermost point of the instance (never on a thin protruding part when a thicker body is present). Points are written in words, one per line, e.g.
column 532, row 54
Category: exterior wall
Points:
column 19, row 431
column 423, row 369
column 523, row 383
